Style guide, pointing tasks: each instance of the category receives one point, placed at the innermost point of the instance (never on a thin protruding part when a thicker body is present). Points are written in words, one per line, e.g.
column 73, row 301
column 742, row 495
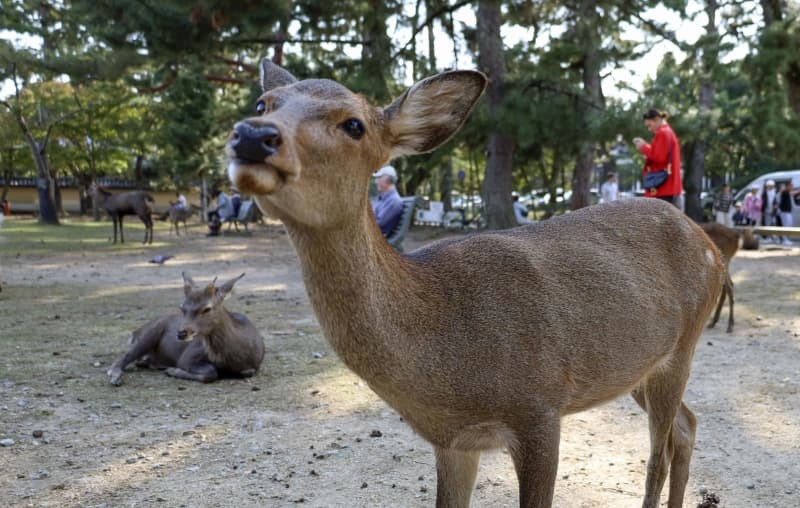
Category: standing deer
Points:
column 176, row 215
column 727, row 239
column 484, row 341
column 126, row 203
column 199, row 344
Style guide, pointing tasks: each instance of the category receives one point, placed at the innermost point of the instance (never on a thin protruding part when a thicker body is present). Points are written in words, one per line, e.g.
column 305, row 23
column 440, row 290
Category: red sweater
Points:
column 657, row 155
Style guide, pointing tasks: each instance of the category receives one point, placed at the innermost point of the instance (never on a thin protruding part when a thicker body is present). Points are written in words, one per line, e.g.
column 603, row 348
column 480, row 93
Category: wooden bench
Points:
column 245, row 215
column 773, row 231
column 398, row 234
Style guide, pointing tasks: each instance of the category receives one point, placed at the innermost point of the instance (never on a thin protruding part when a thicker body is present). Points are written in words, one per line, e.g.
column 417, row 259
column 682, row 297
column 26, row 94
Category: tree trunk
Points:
column 137, row 172
column 593, row 92
column 693, row 173
column 497, row 185
column 57, row 194
column 446, row 183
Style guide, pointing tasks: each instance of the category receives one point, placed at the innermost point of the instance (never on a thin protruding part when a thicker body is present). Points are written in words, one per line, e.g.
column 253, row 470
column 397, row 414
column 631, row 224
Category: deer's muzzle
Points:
column 254, row 143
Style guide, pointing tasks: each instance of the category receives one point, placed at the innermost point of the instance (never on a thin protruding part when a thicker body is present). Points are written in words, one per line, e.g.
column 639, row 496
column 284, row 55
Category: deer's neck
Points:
column 361, row 291
column 223, row 340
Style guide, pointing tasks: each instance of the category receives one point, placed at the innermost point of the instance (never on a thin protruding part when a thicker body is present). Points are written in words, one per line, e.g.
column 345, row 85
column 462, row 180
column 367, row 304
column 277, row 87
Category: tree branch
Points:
column 276, row 40
column 549, row 86
column 430, row 19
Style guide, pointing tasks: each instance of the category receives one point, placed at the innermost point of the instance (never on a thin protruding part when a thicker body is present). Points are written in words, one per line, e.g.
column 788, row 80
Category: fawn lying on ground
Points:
column 201, row 343
column 484, row 341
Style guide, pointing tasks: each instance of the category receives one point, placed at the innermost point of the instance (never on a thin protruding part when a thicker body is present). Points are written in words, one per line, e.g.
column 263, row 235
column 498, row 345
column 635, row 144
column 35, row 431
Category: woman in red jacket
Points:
column 664, row 152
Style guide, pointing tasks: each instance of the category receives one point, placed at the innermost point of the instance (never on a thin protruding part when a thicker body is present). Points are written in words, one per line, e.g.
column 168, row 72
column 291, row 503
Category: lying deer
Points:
column 200, row 344
column 126, row 203
column 488, row 340
column 727, row 239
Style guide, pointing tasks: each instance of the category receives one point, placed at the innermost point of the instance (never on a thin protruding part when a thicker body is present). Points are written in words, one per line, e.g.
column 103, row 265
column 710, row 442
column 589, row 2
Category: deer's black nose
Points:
column 182, row 334
column 255, row 143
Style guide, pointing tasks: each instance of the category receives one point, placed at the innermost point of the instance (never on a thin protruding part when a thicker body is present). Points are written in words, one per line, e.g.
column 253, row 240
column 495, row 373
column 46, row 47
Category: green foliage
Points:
column 165, row 80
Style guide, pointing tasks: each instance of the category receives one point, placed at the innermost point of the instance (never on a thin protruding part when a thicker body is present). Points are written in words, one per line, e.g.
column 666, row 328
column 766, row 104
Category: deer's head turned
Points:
column 309, row 153
column 202, row 307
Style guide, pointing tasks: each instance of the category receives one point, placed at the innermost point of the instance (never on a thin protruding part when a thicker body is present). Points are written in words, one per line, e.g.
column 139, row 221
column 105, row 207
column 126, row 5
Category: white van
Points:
column 780, row 177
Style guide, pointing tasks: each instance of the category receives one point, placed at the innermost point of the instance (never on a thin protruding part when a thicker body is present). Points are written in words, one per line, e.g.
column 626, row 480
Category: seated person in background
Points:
column 236, row 201
column 520, row 212
column 219, row 214
column 387, row 206
column 738, row 216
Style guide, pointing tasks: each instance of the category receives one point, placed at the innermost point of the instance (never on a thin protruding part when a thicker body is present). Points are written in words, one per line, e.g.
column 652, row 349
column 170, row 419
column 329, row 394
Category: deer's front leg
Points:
column 203, row 373
column 194, row 365
column 455, row 476
column 535, row 457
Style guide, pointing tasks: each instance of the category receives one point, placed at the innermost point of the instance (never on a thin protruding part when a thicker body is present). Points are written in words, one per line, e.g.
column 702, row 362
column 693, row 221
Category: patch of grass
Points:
column 26, row 235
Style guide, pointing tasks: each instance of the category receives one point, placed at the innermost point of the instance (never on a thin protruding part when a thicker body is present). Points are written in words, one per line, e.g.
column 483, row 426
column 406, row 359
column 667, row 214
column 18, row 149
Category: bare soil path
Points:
column 305, row 430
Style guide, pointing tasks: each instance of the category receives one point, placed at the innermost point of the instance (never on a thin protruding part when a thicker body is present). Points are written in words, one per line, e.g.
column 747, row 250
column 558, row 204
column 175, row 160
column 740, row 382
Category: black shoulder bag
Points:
column 655, row 179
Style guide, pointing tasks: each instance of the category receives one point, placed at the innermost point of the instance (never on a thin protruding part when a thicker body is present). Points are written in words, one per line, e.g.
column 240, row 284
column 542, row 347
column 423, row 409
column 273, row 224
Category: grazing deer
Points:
column 176, row 215
column 484, row 341
column 200, row 344
column 126, row 203
column 727, row 239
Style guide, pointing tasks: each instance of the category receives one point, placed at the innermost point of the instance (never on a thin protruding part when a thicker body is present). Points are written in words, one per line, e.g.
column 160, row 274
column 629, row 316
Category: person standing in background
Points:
column 722, row 206
column 663, row 153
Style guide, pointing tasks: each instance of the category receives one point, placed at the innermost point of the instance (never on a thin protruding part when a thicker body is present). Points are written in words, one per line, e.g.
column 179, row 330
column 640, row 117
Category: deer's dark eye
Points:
column 205, row 310
column 261, row 106
column 353, row 127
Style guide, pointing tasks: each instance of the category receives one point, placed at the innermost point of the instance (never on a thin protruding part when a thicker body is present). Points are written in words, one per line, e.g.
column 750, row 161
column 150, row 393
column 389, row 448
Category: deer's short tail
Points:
column 149, row 198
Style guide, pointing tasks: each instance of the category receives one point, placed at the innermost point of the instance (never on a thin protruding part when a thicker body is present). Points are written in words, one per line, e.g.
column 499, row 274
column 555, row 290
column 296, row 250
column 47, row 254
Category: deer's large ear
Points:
column 188, row 283
column 225, row 288
column 273, row 76
column 432, row 110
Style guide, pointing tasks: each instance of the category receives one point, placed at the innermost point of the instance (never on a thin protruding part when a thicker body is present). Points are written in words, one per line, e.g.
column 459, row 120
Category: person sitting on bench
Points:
column 387, row 206
column 222, row 212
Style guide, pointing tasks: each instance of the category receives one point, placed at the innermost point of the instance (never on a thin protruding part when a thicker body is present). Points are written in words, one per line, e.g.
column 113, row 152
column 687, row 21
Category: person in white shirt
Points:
column 769, row 206
column 520, row 212
column 609, row 191
column 180, row 203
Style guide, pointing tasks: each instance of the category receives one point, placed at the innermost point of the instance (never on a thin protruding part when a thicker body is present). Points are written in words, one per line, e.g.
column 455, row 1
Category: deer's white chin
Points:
column 254, row 178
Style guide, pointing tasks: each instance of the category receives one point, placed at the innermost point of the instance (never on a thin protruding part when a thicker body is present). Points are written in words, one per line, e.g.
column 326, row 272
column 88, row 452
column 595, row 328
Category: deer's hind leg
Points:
column 727, row 291
column 141, row 345
column 148, row 228
column 672, row 432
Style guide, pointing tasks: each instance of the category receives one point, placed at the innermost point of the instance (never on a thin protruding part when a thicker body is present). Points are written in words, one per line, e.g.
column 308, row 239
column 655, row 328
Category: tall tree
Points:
column 497, row 184
column 589, row 39
column 708, row 48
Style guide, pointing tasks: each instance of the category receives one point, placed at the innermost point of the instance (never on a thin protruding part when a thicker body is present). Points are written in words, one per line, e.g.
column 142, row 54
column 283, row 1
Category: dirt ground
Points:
column 305, row 430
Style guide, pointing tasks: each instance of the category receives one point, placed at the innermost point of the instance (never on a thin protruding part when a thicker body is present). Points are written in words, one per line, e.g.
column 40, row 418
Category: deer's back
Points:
column 163, row 334
column 128, row 203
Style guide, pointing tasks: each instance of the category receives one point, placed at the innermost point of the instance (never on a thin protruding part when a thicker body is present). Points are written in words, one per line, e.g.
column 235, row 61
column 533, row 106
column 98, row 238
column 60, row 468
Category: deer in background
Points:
column 126, row 203
column 176, row 215
column 201, row 343
column 727, row 240
column 488, row 340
